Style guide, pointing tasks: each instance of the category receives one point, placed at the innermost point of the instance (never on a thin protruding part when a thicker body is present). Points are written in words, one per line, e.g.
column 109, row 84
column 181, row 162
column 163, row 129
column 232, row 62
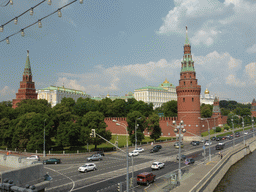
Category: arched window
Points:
column 184, row 82
column 191, row 83
column 192, row 99
column 183, row 99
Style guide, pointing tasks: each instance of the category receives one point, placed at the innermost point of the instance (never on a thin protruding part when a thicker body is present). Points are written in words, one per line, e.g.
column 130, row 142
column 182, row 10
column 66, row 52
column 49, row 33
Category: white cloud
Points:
column 251, row 49
column 205, row 37
column 232, row 80
column 7, row 93
column 250, row 70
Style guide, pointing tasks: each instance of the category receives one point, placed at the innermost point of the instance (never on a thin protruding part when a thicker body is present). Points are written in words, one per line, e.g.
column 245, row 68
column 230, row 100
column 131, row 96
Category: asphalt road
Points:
column 112, row 169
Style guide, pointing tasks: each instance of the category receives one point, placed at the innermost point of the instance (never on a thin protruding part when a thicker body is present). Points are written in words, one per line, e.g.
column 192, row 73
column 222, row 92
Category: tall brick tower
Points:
column 253, row 108
column 188, row 93
column 216, row 108
column 27, row 86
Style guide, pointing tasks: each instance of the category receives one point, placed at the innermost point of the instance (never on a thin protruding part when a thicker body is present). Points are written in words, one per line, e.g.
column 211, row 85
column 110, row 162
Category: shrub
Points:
column 226, row 127
column 218, row 129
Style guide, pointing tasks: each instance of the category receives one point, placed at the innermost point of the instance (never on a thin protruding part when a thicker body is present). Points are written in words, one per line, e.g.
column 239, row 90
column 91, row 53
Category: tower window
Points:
column 192, row 99
column 184, row 77
column 190, row 77
column 191, row 83
column 184, row 82
column 183, row 99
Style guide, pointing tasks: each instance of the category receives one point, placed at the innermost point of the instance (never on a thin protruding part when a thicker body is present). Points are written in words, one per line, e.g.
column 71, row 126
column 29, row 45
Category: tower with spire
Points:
column 27, row 86
column 188, row 92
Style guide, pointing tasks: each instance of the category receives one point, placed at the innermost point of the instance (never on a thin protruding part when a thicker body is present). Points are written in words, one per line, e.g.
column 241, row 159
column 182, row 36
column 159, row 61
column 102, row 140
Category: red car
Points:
column 145, row 178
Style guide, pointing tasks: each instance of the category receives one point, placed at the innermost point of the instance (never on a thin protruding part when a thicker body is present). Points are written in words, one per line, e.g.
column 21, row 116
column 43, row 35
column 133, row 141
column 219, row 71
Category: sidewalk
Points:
column 190, row 177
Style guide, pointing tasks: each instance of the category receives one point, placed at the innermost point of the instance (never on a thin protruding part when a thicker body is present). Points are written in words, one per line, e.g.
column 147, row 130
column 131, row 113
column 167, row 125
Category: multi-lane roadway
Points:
column 112, row 169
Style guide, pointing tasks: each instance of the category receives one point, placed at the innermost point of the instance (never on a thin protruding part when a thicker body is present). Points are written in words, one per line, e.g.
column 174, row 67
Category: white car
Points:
column 157, row 165
column 221, row 143
column 246, row 133
column 34, row 157
column 87, row 167
column 133, row 153
column 138, row 150
column 208, row 143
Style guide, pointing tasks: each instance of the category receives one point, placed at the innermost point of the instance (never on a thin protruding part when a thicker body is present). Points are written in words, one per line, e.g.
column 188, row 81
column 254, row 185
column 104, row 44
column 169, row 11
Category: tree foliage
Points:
column 206, row 110
column 170, row 108
column 154, row 126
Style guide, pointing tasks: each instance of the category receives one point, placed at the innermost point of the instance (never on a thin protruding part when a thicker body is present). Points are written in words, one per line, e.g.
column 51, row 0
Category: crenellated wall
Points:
column 167, row 130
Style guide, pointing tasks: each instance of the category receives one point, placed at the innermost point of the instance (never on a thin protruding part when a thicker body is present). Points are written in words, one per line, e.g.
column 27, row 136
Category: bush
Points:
column 226, row 127
column 218, row 129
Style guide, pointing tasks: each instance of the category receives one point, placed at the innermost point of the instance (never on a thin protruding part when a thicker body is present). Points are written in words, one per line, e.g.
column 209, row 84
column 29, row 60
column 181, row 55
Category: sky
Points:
column 116, row 46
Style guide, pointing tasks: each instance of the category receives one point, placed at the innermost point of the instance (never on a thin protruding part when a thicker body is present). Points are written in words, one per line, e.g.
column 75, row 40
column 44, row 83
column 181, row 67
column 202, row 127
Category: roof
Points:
column 64, row 89
column 27, row 69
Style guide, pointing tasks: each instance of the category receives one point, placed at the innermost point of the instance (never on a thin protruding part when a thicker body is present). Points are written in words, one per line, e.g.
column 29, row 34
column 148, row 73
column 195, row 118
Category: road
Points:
column 112, row 169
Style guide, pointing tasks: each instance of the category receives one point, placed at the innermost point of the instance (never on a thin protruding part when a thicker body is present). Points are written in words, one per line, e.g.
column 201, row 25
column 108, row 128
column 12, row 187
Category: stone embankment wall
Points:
column 212, row 179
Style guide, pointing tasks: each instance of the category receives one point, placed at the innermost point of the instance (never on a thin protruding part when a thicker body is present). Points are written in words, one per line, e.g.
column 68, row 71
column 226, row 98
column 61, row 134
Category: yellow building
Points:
column 54, row 94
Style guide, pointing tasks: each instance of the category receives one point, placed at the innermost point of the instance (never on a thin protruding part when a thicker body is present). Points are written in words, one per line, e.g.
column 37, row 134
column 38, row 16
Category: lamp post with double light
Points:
column 176, row 130
column 44, row 139
column 209, row 137
column 243, row 130
column 136, row 127
column 127, row 153
column 233, row 131
column 253, row 126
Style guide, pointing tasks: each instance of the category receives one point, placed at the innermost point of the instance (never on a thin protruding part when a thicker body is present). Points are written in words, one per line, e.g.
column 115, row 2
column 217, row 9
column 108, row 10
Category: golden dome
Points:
column 206, row 91
column 107, row 95
column 166, row 81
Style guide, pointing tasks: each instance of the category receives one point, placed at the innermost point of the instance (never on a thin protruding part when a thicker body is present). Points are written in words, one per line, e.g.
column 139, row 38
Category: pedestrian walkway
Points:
column 192, row 174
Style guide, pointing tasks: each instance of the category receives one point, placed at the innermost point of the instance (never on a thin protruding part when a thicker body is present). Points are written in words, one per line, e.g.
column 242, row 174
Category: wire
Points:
column 36, row 21
column 5, row 4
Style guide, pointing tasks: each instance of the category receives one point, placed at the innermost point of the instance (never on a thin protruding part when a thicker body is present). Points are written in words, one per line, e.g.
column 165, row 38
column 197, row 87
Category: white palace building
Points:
column 163, row 93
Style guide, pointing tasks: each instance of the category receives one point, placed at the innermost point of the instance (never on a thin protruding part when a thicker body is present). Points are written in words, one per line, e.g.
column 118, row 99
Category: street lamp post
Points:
column 243, row 130
column 253, row 126
column 127, row 155
column 136, row 127
column 233, row 132
column 178, row 128
column 209, row 138
column 44, row 139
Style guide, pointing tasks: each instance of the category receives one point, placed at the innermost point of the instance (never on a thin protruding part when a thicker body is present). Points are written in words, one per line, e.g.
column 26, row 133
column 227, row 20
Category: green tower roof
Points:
column 27, row 69
column 186, row 41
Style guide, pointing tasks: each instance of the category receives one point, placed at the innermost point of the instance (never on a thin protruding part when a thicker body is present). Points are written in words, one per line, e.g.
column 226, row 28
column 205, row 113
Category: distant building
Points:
column 27, row 86
column 54, row 94
column 157, row 95
column 206, row 98
column 113, row 97
column 253, row 108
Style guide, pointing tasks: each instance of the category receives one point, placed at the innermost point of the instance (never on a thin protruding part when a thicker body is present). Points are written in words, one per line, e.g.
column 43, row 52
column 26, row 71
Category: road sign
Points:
column 203, row 147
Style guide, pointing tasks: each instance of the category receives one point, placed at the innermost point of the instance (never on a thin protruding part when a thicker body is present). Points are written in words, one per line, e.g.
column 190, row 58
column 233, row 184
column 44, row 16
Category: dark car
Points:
column 158, row 146
column 213, row 138
column 100, row 153
column 183, row 157
column 220, row 146
column 237, row 134
column 52, row 161
column 155, row 149
column 231, row 137
column 145, row 178
column 218, row 138
column 189, row 161
column 195, row 143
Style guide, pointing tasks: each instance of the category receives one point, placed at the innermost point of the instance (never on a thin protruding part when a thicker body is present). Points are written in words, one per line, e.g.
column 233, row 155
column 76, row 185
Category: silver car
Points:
column 95, row 157
column 87, row 167
column 157, row 165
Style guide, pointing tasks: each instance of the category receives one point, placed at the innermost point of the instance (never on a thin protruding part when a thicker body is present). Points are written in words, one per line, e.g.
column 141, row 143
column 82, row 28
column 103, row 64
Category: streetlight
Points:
column 136, row 127
column 243, row 130
column 253, row 126
column 178, row 128
column 44, row 139
column 233, row 132
column 210, row 157
column 127, row 154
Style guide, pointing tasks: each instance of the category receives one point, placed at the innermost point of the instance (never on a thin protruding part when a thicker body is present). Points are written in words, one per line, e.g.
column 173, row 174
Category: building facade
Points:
column 54, row 94
column 206, row 98
column 157, row 95
column 27, row 86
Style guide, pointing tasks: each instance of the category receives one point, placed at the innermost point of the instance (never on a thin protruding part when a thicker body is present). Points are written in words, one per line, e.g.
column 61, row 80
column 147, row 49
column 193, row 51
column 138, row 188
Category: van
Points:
column 145, row 178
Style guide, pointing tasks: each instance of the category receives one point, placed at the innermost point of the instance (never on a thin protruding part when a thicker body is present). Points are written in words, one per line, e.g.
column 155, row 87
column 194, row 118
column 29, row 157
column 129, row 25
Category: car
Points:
column 145, row 178
column 218, row 138
column 207, row 142
column 246, row 133
column 220, row 146
column 158, row 146
column 87, row 167
column 189, row 161
column 95, row 157
column 140, row 149
column 183, row 157
column 195, row 143
column 100, row 153
column 154, row 150
column 202, row 141
column 237, row 134
column 157, row 165
column 213, row 138
column 224, row 137
column 133, row 153
column 34, row 157
column 52, row 161
column 231, row 137
column 177, row 146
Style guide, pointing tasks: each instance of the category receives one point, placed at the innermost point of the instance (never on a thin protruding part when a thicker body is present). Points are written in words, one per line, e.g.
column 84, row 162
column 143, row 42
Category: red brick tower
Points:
column 216, row 108
column 188, row 93
column 27, row 86
column 253, row 109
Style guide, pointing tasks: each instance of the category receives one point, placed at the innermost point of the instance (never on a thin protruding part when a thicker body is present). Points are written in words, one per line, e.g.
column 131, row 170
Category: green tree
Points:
column 154, row 126
column 170, row 108
column 105, row 106
column 119, row 108
column 83, row 106
column 141, row 121
column 94, row 120
column 224, row 111
column 206, row 110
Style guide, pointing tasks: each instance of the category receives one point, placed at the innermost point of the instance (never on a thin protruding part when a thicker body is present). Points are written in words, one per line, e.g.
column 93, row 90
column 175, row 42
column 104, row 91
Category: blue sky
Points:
column 116, row 46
